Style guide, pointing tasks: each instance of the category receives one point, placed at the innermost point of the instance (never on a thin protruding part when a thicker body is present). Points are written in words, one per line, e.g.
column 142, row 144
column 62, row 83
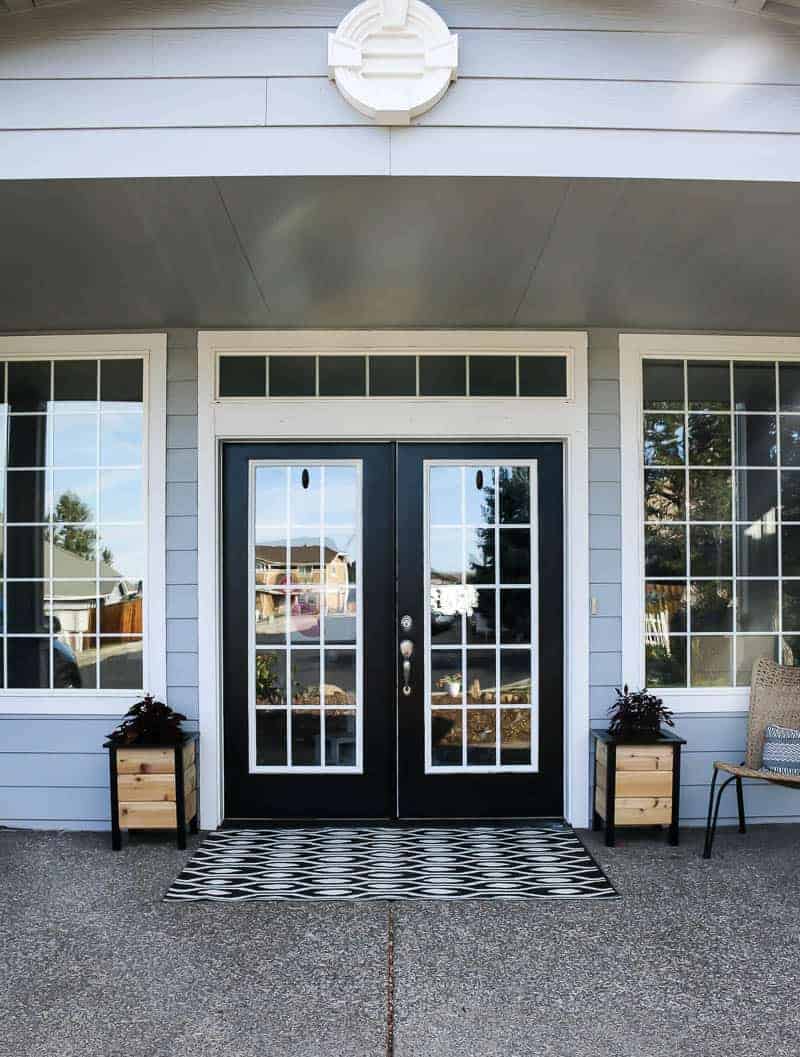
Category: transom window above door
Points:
column 392, row 375
column 721, row 486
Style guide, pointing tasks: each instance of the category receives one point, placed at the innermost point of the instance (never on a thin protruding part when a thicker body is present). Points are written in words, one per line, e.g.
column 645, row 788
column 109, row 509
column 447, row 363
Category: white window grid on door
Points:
column 499, row 648
column 289, row 647
column 777, row 634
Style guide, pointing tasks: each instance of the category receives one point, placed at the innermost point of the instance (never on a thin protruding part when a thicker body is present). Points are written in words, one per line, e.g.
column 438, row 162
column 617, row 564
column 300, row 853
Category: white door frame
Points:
column 397, row 418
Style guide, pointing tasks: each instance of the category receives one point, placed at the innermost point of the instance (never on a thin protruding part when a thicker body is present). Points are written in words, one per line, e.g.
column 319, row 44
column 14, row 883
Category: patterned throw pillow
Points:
column 781, row 750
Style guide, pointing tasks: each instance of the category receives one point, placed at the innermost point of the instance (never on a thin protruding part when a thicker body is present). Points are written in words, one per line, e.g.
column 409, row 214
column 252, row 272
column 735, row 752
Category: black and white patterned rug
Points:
column 384, row 862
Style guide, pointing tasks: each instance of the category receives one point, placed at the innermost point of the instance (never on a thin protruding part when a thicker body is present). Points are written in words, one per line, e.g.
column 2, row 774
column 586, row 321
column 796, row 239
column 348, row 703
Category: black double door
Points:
column 392, row 630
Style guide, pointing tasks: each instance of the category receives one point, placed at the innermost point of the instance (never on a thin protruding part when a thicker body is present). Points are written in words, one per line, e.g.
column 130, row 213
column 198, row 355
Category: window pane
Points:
column 790, row 386
column 28, row 386
column 26, row 495
column 27, row 440
column 665, row 550
column 74, row 659
column 790, row 540
column 515, row 743
column 754, row 387
column 121, row 381
column 272, row 605
column 26, row 609
column 306, row 739
column 74, row 381
column 242, row 376
column 446, row 738
column 120, row 663
column 447, row 556
column 340, row 678
column 270, row 497
column 447, row 604
column 292, row 375
column 791, row 605
column 665, row 609
column 480, row 555
column 748, row 650
column 663, row 385
column 341, row 495
column 444, row 497
column 270, row 678
column 664, row 495
column 442, row 375
column 711, row 550
column 709, row 386
column 271, row 739
column 342, row 375
column 710, row 495
column 305, row 677
column 75, row 495
column 542, row 376
column 481, row 737
column 481, row 617
column 757, row 550
column 790, row 653
column 28, row 552
column 711, row 660
column 28, row 663
column 665, row 661
column 74, row 440
column 122, row 550
column 664, row 440
column 515, row 556
column 709, row 440
column 481, row 677
column 492, row 376
column 479, row 501
column 121, row 440
column 756, row 440
column 757, row 605
column 392, row 376
column 790, row 440
column 121, row 497
column 515, row 677
column 515, row 495
column 515, row 617
column 305, row 497
column 340, row 739
column 790, row 496
column 446, row 677
column 756, row 495
column 711, row 605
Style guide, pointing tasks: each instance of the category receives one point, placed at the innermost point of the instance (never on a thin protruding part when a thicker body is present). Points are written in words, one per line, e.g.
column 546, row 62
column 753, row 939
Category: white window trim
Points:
column 153, row 350
column 362, row 418
column 634, row 348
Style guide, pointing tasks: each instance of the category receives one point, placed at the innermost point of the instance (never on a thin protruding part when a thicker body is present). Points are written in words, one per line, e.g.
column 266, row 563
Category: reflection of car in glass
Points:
column 66, row 674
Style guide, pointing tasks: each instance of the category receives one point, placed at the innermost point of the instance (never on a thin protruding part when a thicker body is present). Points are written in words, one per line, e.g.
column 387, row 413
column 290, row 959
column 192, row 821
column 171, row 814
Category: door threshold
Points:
column 278, row 823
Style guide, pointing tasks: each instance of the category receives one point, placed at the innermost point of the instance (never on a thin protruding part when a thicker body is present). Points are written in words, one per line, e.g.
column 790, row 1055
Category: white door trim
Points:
column 366, row 418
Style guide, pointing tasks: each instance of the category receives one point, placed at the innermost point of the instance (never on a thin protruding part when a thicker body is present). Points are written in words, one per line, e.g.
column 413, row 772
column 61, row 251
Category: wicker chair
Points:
column 774, row 698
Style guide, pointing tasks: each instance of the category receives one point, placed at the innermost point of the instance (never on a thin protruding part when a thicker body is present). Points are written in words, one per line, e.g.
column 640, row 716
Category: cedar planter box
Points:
column 637, row 783
column 153, row 787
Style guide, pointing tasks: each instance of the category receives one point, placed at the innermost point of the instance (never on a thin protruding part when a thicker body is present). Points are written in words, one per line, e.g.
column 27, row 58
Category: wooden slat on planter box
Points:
column 644, row 758
column 146, row 761
column 188, row 753
column 644, row 783
column 147, row 815
column 642, row 811
column 189, row 780
column 146, row 787
column 191, row 805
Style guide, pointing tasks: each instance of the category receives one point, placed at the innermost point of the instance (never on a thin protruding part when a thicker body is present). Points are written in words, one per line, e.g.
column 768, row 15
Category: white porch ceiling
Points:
column 402, row 252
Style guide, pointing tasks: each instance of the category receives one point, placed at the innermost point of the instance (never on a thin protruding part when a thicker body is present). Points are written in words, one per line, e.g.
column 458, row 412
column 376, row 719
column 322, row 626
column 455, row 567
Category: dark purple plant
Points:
column 637, row 712
column 149, row 722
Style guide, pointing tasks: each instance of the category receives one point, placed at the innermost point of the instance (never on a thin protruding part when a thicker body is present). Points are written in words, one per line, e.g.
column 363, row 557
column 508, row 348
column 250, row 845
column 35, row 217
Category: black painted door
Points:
column 343, row 561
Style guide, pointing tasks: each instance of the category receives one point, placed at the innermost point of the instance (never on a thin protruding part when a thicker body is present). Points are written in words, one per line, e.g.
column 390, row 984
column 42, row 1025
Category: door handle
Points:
column 406, row 652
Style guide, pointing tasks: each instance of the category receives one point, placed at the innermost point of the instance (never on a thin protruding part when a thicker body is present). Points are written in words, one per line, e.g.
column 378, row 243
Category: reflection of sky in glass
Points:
column 82, row 483
column 479, row 501
column 444, row 500
column 74, row 440
column 305, row 503
column 446, row 557
column 127, row 549
column 121, row 495
column 341, row 498
column 270, row 499
column 121, row 440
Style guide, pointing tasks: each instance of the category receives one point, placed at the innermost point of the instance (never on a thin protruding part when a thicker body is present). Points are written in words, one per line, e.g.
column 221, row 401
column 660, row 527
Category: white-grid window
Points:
column 481, row 579
column 306, row 617
column 81, row 589
column 721, row 519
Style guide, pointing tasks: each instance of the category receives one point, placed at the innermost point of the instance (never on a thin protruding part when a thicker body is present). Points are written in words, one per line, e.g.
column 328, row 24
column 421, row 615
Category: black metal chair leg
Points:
column 711, row 824
column 740, row 803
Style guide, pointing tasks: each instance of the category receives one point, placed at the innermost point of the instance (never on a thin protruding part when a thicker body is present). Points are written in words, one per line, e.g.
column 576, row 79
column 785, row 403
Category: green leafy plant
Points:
column 637, row 713
column 148, row 722
column 268, row 688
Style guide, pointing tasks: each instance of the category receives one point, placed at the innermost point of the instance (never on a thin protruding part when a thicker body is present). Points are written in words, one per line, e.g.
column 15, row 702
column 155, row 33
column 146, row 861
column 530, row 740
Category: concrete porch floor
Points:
column 697, row 958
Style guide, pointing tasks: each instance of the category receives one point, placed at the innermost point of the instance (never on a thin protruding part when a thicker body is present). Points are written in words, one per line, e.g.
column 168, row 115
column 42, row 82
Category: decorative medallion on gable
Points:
column 392, row 59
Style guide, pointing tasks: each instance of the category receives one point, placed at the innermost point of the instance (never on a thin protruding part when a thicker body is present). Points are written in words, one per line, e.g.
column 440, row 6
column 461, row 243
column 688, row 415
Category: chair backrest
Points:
column 774, row 698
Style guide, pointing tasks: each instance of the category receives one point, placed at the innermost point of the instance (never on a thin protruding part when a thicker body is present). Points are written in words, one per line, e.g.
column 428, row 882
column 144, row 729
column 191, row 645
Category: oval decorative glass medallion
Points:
column 392, row 59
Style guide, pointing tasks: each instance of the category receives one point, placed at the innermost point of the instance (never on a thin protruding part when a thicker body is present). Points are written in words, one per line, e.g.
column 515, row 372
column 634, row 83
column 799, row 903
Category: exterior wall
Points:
column 653, row 88
column 53, row 770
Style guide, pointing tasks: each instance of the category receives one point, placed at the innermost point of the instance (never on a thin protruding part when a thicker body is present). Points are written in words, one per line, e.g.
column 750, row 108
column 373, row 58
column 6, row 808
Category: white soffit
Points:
column 392, row 59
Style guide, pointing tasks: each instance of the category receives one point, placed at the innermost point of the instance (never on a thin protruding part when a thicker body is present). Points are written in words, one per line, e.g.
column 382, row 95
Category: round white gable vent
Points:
column 392, row 59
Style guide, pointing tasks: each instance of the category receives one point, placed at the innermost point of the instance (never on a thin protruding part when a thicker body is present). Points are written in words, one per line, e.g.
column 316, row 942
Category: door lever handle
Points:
column 406, row 652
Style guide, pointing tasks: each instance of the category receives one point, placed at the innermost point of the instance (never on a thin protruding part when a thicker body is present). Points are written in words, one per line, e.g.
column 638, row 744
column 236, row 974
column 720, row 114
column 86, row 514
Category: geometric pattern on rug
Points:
column 330, row 863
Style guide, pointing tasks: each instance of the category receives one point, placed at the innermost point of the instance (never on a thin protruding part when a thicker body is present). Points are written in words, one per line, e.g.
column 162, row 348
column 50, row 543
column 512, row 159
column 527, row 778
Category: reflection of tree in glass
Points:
column 73, row 537
column 665, row 491
column 710, row 440
column 514, row 495
column 268, row 688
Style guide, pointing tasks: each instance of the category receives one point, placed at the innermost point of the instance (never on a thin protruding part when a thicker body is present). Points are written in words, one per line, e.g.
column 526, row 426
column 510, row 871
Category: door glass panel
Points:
column 480, row 653
column 305, row 552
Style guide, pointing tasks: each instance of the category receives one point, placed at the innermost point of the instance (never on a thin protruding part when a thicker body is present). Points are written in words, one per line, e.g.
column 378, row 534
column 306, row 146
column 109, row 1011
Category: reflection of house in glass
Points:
column 79, row 612
column 293, row 596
